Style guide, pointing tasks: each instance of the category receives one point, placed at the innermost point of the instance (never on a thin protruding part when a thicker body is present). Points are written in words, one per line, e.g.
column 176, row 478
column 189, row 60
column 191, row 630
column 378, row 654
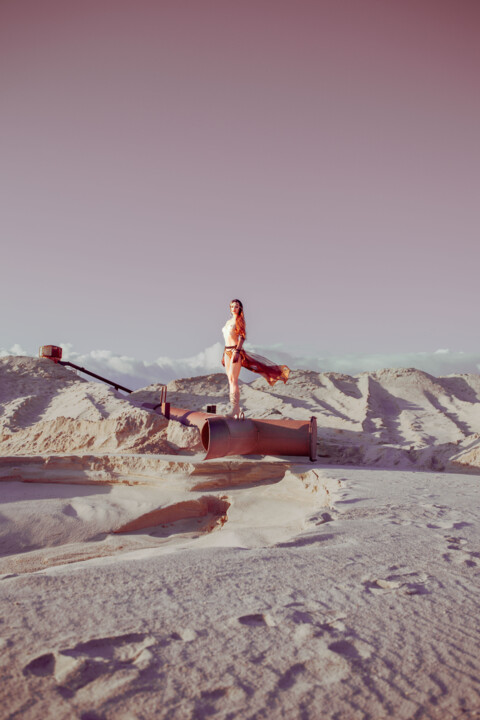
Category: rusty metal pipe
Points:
column 54, row 353
column 114, row 384
column 223, row 436
column 193, row 418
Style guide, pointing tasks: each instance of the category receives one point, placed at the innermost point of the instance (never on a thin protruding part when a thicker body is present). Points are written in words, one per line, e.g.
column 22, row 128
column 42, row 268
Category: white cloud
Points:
column 14, row 350
column 134, row 373
column 443, row 362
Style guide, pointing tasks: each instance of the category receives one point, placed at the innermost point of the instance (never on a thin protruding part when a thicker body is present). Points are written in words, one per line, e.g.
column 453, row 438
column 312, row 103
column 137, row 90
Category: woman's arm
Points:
column 236, row 354
column 241, row 335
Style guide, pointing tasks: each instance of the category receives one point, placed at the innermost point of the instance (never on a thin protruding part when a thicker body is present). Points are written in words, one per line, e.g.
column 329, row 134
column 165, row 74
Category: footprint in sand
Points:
column 327, row 636
column 301, row 617
column 411, row 583
column 459, row 554
column 41, row 665
column 74, row 668
column 310, row 621
column 346, row 649
column 257, row 620
column 289, row 678
column 354, row 649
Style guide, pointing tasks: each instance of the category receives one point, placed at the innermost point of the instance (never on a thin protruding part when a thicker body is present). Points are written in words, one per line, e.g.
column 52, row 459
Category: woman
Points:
column 234, row 357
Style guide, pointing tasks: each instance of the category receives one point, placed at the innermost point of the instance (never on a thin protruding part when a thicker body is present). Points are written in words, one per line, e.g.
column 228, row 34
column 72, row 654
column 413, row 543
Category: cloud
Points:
column 439, row 362
column 134, row 373
column 14, row 350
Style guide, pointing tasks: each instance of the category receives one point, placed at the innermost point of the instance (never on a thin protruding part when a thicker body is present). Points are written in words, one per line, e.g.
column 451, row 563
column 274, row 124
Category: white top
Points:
column 229, row 330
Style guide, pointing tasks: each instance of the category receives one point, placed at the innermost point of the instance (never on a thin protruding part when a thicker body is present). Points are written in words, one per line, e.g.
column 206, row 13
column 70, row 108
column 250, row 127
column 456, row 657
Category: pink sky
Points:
column 320, row 160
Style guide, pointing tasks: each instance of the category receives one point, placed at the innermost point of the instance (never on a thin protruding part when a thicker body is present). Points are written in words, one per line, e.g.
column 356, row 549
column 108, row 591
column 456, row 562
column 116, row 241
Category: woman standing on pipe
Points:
column 235, row 357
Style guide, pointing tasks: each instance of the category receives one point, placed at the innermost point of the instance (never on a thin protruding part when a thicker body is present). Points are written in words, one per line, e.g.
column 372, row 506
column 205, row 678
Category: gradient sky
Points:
column 319, row 159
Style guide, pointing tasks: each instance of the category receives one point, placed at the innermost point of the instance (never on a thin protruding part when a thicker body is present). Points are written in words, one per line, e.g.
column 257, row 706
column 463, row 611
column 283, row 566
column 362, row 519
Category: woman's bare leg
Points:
column 233, row 372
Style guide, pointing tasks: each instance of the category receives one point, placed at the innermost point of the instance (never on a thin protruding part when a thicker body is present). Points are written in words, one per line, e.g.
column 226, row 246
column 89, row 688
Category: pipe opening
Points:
column 205, row 435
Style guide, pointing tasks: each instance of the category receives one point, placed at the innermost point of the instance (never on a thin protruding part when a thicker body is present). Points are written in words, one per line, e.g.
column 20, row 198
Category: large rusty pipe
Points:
column 224, row 436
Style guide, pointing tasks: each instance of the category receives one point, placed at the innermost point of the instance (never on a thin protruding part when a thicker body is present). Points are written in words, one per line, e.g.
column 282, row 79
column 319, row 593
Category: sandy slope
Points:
column 139, row 581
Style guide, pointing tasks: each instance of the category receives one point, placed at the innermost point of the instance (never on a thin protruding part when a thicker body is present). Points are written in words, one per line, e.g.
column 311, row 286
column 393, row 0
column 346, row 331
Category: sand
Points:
column 138, row 580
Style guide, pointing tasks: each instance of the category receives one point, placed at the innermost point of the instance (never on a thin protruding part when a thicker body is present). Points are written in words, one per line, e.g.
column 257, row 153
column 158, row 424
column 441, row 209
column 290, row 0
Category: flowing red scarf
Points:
column 265, row 367
column 258, row 364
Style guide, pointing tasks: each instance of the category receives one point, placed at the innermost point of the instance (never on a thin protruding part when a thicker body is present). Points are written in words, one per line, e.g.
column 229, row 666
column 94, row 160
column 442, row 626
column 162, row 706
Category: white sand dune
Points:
column 138, row 580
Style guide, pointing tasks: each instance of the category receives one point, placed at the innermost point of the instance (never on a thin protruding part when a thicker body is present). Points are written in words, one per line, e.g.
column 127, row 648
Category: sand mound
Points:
column 390, row 418
column 47, row 408
column 194, row 393
column 396, row 417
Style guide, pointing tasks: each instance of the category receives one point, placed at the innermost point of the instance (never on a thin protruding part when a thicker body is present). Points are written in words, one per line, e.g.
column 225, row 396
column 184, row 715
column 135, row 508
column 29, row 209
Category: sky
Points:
column 318, row 159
